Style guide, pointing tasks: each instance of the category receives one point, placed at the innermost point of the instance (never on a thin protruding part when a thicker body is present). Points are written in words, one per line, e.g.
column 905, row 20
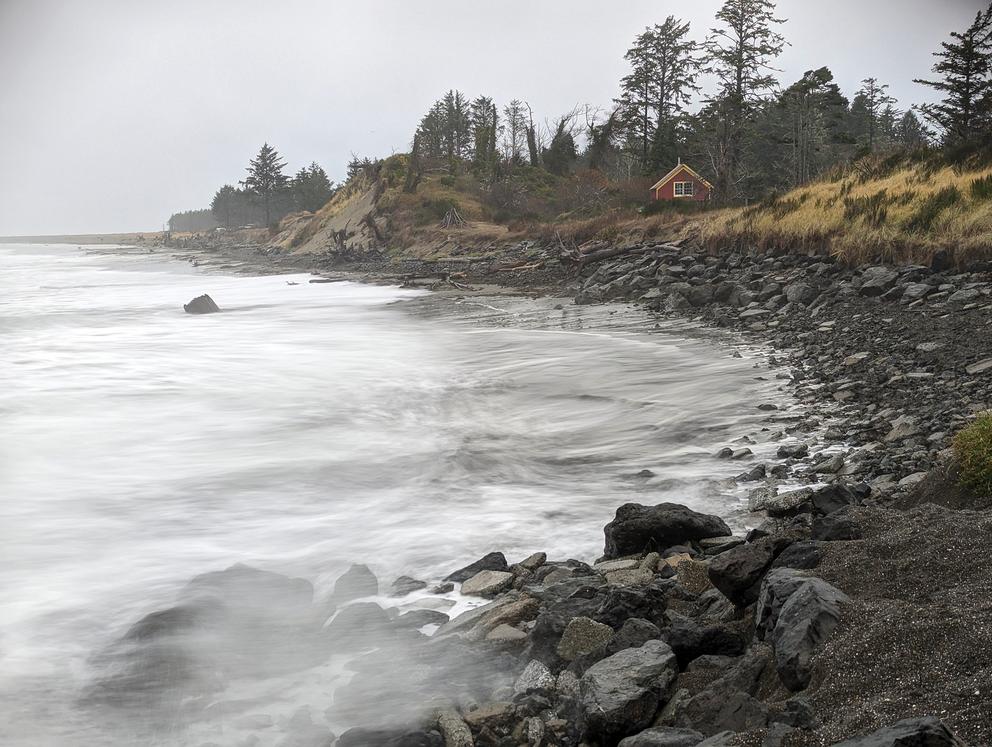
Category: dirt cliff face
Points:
column 349, row 222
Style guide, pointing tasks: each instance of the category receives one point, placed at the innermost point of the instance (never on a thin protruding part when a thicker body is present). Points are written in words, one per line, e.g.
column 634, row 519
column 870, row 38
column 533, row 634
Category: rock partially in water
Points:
column 201, row 305
column 637, row 528
column 238, row 622
column 494, row 561
column 355, row 583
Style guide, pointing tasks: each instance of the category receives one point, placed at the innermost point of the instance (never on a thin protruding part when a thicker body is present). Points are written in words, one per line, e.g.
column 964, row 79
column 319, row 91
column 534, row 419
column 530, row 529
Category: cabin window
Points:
column 685, row 189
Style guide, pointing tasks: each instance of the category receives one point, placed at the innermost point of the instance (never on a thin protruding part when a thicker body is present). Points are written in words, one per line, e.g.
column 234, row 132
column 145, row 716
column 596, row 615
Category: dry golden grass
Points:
column 904, row 216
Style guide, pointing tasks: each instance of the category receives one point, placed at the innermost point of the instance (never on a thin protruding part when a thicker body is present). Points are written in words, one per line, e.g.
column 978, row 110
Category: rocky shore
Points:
column 857, row 613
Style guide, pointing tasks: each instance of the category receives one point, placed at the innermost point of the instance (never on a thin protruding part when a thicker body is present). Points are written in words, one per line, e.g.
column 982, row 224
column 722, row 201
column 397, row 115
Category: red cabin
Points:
column 682, row 183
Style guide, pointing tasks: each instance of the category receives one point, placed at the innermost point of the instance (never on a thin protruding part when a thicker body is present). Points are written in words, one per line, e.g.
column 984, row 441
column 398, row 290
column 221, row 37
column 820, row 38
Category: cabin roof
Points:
column 676, row 170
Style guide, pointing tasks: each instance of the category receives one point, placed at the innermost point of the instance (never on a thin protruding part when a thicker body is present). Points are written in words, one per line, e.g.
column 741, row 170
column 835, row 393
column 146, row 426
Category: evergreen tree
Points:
column 911, row 133
column 224, row 205
column 740, row 54
column 964, row 67
column 814, row 111
column 876, row 101
column 484, row 129
column 664, row 68
column 311, row 188
column 265, row 179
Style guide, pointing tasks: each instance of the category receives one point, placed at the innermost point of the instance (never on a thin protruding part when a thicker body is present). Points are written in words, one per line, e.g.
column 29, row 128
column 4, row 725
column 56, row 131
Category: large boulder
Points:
column 201, row 305
column 737, row 573
column 690, row 639
column 830, row 498
column 583, row 636
column 796, row 613
column 911, row 732
column 620, row 695
column 637, row 528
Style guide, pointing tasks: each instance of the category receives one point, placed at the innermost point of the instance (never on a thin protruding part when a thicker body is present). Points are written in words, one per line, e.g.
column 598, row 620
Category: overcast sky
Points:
column 116, row 113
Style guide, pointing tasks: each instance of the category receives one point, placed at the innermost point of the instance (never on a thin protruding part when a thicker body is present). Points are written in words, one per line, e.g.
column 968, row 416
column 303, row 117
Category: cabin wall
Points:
column 667, row 190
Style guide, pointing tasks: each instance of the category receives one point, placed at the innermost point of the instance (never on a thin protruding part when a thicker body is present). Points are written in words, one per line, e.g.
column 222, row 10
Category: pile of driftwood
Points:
column 597, row 251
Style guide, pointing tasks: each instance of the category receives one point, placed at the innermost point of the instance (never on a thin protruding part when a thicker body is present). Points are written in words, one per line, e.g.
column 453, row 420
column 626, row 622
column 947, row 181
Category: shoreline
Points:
column 880, row 394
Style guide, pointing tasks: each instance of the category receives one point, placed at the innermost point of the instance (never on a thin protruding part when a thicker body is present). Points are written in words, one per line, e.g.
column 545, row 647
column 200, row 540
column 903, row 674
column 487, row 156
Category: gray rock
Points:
column 916, row 291
column 454, row 730
column 358, row 581
column 201, row 305
column 621, row 694
column 535, row 677
column 792, row 451
column 583, row 636
column 968, row 295
column 876, row 280
column 737, row 573
column 789, row 503
column 796, row 613
column 801, row 293
column 902, row 427
column 664, row 736
column 979, row 367
column 836, row 527
column 636, row 528
column 911, row 732
column 494, row 561
column 829, row 466
column 405, row 585
column 487, row 583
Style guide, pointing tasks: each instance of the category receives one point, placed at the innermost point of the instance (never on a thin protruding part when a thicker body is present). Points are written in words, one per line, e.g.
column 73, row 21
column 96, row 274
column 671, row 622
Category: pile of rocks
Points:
column 682, row 634
column 892, row 351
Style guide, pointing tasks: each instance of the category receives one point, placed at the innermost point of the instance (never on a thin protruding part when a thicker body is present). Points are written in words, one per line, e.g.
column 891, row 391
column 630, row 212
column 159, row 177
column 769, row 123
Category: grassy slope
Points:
column 901, row 214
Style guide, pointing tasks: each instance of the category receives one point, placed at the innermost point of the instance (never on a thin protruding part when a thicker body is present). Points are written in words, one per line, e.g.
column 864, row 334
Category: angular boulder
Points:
column 637, row 528
column 796, row 613
column 355, row 583
column 487, row 583
column 494, row 561
column 620, row 695
column 583, row 636
column 911, row 732
column 876, row 280
column 737, row 573
column 201, row 305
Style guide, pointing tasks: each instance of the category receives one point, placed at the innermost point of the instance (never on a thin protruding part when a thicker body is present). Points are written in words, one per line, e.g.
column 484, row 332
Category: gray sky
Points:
column 116, row 113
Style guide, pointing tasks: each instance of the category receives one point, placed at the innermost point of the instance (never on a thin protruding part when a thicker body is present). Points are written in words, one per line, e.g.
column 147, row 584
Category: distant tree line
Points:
column 751, row 136
column 267, row 194
column 192, row 220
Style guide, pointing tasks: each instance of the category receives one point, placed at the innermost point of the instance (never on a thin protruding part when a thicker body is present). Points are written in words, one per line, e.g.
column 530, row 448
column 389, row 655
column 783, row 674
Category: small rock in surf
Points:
column 201, row 305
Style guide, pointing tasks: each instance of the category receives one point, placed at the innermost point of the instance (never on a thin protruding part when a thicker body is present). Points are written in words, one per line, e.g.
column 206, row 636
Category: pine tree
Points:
column 964, row 66
column 485, row 130
column 265, row 179
column 813, row 109
column 311, row 188
column 740, row 54
column 224, row 204
column 876, row 100
column 661, row 82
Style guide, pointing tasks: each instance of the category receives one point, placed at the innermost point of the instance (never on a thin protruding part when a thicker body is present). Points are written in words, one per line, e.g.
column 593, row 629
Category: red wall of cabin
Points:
column 667, row 190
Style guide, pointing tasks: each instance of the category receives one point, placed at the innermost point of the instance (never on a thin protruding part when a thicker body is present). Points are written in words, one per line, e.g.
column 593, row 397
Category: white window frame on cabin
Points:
column 685, row 189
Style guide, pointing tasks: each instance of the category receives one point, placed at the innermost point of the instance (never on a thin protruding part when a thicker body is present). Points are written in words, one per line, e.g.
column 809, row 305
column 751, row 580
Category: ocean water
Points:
column 305, row 428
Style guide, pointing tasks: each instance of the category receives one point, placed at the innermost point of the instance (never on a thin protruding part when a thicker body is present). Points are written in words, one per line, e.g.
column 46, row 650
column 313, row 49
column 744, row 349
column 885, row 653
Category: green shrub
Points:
column 981, row 189
column 433, row 209
column 973, row 448
column 927, row 213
